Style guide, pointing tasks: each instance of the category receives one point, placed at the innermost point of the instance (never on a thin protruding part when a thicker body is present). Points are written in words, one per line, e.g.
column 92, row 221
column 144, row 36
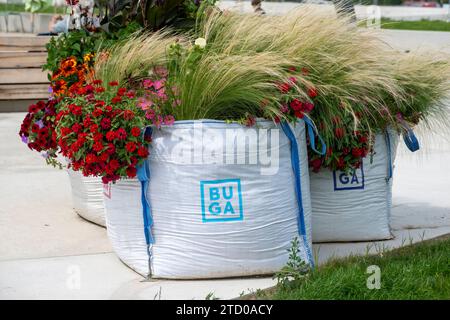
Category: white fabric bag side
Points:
column 355, row 207
column 124, row 223
column 87, row 196
column 189, row 242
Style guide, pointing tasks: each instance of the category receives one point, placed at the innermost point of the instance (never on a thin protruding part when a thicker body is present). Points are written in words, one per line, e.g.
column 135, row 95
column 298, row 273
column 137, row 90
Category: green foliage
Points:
column 295, row 269
column 78, row 43
column 34, row 6
column 20, row 7
column 427, row 25
column 420, row 271
column 150, row 14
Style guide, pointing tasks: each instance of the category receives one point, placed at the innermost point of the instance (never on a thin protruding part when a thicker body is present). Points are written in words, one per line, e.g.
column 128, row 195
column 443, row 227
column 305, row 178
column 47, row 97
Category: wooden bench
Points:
column 21, row 59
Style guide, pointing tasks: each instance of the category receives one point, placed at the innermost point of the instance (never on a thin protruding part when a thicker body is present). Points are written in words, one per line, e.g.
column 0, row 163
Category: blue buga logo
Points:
column 353, row 180
column 221, row 200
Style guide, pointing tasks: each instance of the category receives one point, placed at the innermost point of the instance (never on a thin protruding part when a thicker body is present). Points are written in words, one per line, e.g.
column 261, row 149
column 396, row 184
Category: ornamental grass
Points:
column 234, row 67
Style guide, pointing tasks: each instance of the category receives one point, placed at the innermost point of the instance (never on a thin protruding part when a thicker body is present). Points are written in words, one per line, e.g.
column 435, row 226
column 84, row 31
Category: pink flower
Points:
column 284, row 108
column 147, row 83
column 157, row 121
column 169, row 120
column 150, row 114
column 161, row 71
column 177, row 102
column 144, row 103
column 158, row 84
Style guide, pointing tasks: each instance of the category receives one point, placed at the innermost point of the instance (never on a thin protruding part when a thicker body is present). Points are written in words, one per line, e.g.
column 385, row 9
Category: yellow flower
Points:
column 88, row 57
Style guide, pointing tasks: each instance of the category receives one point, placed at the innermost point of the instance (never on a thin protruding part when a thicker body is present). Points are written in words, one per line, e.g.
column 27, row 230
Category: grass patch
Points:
column 419, row 271
column 424, row 25
column 21, row 8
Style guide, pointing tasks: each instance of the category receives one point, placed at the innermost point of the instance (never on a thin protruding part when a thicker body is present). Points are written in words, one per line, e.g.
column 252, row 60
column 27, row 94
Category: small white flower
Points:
column 201, row 42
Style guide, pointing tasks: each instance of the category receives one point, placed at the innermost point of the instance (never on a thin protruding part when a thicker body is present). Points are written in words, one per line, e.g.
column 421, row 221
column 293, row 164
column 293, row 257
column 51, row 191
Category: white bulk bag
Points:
column 355, row 207
column 207, row 219
column 87, row 195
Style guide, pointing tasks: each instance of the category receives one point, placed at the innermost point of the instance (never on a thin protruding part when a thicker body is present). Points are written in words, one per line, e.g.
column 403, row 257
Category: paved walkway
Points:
column 362, row 12
column 45, row 248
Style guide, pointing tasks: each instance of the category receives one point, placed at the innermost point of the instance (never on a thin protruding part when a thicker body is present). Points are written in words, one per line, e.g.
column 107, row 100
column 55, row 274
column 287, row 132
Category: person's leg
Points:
column 257, row 7
column 345, row 7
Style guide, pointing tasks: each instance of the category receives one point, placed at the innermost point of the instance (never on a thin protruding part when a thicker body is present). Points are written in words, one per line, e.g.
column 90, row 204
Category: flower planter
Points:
column 355, row 207
column 199, row 218
column 87, row 195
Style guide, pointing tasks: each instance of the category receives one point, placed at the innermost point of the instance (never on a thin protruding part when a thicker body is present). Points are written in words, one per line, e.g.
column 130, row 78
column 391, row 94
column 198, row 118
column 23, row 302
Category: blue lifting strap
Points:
column 295, row 162
column 311, row 130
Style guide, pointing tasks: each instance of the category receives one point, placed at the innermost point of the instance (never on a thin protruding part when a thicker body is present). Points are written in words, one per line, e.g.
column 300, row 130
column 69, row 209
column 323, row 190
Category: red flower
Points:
column 97, row 147
column 113, row 164
column 99, row 90
column 316, row 164
column 363, row 139
column 116, row 99
column 111, row 148
column 135, row 131
column 284, row 87
column 130, row 146
column 76, row 127
column 339, row 132
column 98, row 137
column 329, row 152
column 110, row 135
column 103, row 157
column 97, row 112
column 250, row 121
column 121, row 134
column 340, row 164
column 33, row 108
column 296, row 105
column 130, row 94
column 299, row 114
column 97, row 81
column 113, row 83
column 131, row 172
column 357, row 152
column 99, row 103
column 312, row 92
column 128, row 115
column 87, row 121
column 121, row 91
column 105, row 123
column 93, row 127
column 142, row 152
column 308, row 106
column 75, row 110
column 91, row 158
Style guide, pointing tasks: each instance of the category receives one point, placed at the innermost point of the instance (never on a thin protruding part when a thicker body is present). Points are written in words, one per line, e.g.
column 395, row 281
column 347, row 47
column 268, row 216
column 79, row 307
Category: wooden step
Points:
column 14, row 59
column 23, row 91
column 23, row 43
column 25, row 75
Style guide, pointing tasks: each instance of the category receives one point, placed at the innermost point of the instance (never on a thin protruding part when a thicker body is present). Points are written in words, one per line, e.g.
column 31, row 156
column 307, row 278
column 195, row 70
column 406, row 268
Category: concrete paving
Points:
column 48, row 252
column 361, row 11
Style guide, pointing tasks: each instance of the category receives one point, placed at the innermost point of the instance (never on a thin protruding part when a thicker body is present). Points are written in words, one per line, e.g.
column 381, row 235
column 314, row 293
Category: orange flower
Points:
column 56, row 74
column 59, row 87
column 68, row 66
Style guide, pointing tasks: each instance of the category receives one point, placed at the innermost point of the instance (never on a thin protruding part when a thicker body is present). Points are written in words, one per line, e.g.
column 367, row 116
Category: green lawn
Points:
column 426, row 25
column 420, row 271
column 21, row 8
